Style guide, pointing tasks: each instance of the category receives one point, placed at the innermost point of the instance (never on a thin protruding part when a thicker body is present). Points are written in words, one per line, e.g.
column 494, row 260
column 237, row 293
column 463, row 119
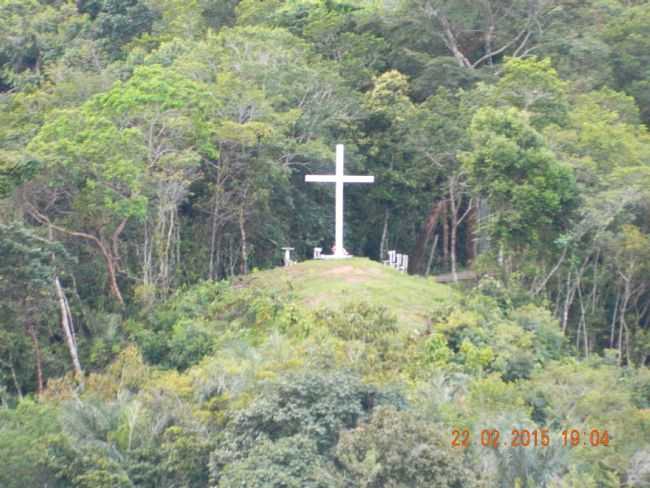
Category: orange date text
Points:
column 534, row 438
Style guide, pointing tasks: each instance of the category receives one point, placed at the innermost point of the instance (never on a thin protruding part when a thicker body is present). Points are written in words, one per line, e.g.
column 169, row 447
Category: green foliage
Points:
column 395, row 449
column 531, row 193
column 24, row 434
column 628, row 35
column 291, row 462
column 359, row 322
column 641, row 388
column 436, row 350
column 549, row 343
column 317, row 405
column 534, row 87
column 115, row 23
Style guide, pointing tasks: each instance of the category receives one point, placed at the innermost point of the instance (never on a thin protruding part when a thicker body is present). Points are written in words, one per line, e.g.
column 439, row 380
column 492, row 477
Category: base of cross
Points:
column 334, row 256
column 339, row 255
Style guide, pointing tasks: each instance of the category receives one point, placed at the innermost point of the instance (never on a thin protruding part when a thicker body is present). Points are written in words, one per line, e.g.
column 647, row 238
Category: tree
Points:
column 148, row 120
column 437, row 135
column 168, row 119
column 291, row 462
column 608, row 150
column 26, row 276
column 628, row 35
column 395, row 449
column 103, row 187
column 389, row 110
column 277, row 103
column 116, row 22
column 530, row 193
column 480, row 33
column 534, row 87
column 310, row 407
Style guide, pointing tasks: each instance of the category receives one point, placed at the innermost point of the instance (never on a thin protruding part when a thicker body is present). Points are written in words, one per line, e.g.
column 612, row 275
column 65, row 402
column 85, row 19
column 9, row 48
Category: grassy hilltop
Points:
column 333, row 283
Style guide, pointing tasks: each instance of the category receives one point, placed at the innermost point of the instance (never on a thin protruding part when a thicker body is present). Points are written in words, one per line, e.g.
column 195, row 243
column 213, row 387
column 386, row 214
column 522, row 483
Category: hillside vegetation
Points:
column 334, row 374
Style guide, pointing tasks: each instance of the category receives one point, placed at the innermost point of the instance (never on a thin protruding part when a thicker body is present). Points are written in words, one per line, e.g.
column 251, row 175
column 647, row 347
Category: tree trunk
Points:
column 38, row 356
column 583, row 322
column 14, row 377
column 614, row 317
column 627, row 294
column 431, row 254
column 471, row 243
column 416, row 264
column 384, row 236
column 217, row 264
column 445, row 236
column 454, row 226
column 594, row 289
column 568, row 300
column 68, row 331
column 10, row 364
column 244, row 251
column 450, row 41
column 147, row 256
column 455, row 202
column 213, row 236
column 231, row 257
column 452, row 251
column 112, row 277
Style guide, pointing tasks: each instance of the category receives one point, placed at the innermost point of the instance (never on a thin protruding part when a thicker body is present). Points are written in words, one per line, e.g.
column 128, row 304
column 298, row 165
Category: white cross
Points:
column 339, row 178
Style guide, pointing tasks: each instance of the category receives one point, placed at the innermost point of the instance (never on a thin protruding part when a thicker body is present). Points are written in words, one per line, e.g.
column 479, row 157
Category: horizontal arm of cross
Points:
column 321, row 178
column 358, row 179
column 334, row 179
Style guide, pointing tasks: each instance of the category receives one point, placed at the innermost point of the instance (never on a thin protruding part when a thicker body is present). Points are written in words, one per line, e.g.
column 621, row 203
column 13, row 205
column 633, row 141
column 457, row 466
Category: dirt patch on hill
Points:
column 350, row 274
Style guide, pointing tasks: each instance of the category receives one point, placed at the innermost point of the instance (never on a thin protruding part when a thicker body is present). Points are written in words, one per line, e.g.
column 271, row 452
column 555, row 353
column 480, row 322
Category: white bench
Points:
column 405, row 263
column 398, row 261
column 391, row 259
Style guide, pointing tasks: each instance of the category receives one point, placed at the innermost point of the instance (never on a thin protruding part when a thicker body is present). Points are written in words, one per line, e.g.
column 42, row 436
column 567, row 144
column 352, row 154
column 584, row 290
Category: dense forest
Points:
column 153, row 156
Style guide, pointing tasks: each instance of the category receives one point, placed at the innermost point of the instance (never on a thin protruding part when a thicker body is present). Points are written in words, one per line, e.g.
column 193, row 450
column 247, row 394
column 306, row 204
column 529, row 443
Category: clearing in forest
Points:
column 333, row 283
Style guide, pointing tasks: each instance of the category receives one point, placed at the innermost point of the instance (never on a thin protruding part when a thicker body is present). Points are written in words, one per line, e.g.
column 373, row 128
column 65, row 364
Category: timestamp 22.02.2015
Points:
column 540, row 438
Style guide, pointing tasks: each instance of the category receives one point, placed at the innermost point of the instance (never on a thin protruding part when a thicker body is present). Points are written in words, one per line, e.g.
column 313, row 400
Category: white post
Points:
column 287, row 256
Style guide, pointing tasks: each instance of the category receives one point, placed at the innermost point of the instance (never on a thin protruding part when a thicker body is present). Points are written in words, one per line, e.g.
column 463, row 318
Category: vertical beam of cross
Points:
column 338, row 241
column 339, row 179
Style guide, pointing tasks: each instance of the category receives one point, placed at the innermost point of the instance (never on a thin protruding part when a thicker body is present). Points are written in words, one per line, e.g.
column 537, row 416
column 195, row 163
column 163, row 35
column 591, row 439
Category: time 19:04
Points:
column 575, row 437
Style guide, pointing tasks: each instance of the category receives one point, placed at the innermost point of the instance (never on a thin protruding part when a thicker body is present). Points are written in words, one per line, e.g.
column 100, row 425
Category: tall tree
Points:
column 530, row 193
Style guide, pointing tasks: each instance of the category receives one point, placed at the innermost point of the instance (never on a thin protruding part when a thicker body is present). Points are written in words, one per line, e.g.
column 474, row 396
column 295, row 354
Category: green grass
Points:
column 333, row 283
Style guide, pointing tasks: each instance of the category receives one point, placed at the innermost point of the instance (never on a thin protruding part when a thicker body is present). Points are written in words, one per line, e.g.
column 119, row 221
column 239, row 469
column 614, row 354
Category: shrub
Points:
column 190, row 342
column 396, row 450
column 290, row 462
column 641, row 388
column 314, row 405
column 436, row 351
column 549, row 341
column 359, row 322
